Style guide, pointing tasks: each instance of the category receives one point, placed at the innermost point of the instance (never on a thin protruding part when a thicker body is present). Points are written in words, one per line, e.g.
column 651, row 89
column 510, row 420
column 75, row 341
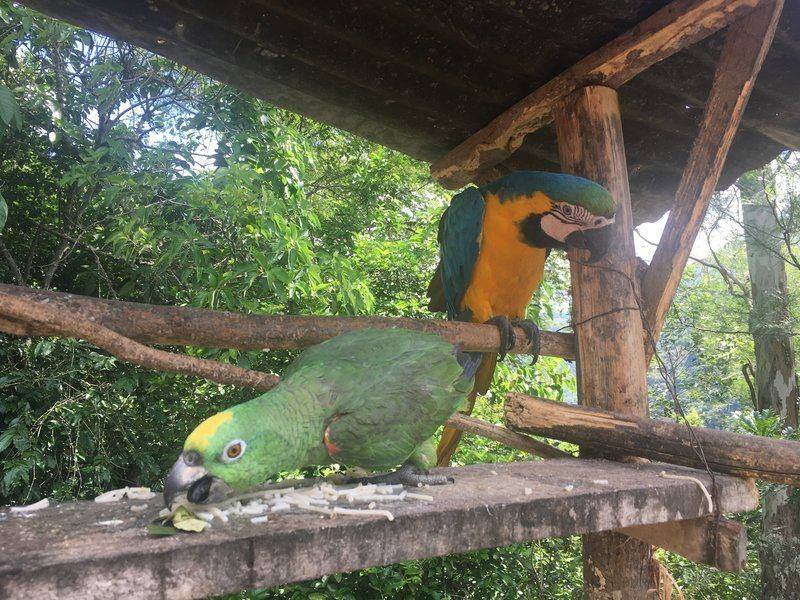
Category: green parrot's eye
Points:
column 233, row 451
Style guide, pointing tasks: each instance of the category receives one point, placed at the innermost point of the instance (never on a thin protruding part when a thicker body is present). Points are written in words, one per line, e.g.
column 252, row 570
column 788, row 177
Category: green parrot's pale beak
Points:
column 190, row 476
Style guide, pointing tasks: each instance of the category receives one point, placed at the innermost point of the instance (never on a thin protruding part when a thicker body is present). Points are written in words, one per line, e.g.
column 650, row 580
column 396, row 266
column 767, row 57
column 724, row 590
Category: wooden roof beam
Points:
column 745, row 47
column 672, row 28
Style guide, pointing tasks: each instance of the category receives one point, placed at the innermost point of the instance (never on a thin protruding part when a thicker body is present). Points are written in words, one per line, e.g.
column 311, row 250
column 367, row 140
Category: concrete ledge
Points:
column 62, row 552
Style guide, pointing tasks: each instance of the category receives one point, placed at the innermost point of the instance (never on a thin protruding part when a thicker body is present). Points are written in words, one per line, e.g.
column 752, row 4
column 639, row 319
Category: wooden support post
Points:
column 610, row 354
column 694, row 539
column 745, row 47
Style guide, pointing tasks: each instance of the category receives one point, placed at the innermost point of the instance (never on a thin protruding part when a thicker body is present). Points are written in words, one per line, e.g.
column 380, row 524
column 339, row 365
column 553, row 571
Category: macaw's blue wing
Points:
column 459, row 244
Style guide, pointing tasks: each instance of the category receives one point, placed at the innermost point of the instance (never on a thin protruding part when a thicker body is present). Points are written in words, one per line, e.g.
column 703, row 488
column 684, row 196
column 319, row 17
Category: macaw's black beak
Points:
column 190, row 476
column 596, row 241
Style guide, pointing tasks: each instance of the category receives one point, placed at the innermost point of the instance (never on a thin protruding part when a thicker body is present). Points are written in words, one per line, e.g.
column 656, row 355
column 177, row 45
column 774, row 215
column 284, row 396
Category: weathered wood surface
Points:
column 615, row 434
column 746, row 45
column 674, row 27
column 172, row 325
column 610, row 354
column 695, row 539
column 63, row 552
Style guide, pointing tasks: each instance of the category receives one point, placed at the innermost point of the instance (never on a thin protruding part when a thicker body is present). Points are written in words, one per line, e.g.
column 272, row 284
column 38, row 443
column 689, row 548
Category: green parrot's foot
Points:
column 507, row 336
column 531, row 330
column 407, row 474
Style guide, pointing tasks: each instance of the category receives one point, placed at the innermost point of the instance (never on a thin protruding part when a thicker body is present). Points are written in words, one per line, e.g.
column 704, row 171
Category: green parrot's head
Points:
column 231, row 450
column 565, row 211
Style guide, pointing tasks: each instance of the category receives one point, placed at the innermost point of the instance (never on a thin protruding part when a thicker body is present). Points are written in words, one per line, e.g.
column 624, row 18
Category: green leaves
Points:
column 3, row 213
column 10, row 115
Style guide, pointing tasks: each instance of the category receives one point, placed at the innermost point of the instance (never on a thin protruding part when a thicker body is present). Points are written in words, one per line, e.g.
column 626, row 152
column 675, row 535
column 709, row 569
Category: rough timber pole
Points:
column 611, row 360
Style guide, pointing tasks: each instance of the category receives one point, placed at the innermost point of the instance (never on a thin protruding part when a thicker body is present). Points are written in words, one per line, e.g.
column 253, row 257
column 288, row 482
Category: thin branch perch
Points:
column 74, row 325
column 172, row 325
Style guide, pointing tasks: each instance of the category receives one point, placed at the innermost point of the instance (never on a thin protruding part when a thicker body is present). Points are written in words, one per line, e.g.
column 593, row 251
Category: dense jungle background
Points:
column 126, row 176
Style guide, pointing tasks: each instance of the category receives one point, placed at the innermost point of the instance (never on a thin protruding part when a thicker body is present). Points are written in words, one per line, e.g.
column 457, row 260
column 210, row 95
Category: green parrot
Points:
column 371, row 398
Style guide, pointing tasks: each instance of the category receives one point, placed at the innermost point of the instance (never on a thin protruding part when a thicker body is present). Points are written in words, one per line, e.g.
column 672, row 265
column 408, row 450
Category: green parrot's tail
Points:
column 483, row 380
column 469, row 361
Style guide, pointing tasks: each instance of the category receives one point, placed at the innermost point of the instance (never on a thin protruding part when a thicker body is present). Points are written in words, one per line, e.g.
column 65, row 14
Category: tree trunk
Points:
column 776, row 386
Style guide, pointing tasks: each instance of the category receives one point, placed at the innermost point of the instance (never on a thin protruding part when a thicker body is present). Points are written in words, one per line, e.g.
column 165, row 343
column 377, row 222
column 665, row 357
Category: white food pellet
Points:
column 31, row 507
column 257, row 520
column 528, row 491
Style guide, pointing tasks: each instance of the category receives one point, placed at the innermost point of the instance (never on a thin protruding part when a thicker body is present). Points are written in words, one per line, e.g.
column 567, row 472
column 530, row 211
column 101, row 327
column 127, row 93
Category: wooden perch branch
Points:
column 171, row 325
column 42, row 315
column 616, row 434
column 505, row 436
column 73, row 325
column 746, row 45
column 672, row 28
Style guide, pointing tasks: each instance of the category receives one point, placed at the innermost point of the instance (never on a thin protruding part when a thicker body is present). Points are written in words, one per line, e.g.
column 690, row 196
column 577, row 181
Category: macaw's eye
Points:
column 598, row 221
column 567, row 209
column 233, row 451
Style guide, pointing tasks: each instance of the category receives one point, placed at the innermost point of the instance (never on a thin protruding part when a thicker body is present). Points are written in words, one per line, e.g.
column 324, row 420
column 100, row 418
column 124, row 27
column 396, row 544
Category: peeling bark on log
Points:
column 615, row 434
column 172, row 325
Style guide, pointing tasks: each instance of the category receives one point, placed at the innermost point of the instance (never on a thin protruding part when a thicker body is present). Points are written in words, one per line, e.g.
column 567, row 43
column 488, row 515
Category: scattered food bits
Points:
column 493, row 472
column 569, row 488
column 133, row 493
column 137, row 508
column 31, row 507
column 415, row 496
column 360, row 511
column 111, row 522
column 315, row 499
column 528, row 491
column 601, row 481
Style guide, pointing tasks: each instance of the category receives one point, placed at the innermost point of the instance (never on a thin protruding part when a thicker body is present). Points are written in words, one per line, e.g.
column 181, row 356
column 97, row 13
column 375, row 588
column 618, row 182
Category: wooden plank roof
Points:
column 422, row 75
column 89, row 550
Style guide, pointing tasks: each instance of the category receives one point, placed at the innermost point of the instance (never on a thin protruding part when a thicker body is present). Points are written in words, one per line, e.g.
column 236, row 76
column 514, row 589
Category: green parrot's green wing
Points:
column 389, row 391
column 459, row 244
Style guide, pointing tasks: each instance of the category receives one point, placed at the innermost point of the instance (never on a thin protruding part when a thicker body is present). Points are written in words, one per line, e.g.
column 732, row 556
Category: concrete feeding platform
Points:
column 65, row 552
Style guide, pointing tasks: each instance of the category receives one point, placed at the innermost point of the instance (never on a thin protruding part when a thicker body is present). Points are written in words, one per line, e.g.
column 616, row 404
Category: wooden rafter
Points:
column 746, row 45
column 680, row 24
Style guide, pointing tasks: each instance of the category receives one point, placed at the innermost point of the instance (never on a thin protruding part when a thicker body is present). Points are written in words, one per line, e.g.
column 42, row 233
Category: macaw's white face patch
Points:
column 564, row 219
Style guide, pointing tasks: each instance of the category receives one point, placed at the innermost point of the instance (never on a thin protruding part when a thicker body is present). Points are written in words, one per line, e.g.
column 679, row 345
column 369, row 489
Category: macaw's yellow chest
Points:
column 507, row 271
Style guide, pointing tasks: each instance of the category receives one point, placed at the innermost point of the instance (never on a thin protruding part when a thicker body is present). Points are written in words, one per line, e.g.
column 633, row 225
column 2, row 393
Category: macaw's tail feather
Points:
column 451, row 437
column 436, row 299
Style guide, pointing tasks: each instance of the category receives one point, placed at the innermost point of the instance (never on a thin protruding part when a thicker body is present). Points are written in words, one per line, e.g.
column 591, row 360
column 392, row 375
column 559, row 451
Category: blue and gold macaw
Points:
column 493, row 243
